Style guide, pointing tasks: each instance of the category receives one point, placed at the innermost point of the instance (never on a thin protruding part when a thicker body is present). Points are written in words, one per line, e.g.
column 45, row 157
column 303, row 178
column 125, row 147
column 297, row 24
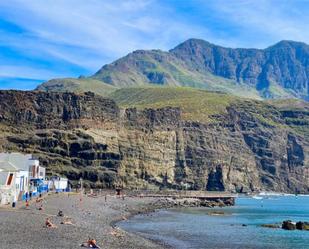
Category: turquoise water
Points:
column 194, row 228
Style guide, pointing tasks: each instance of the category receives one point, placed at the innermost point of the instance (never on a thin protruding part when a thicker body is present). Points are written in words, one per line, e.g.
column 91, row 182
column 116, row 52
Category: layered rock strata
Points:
column 91, row 137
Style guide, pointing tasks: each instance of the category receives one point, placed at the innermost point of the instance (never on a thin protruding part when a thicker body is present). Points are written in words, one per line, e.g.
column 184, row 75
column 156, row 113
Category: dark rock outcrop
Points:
column 302, row 225
column 44, row 110
column 288, row 225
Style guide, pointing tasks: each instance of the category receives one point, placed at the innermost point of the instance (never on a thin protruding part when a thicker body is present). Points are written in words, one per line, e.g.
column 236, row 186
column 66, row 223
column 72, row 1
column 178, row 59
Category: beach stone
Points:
column 288, row 225
column 302, row 225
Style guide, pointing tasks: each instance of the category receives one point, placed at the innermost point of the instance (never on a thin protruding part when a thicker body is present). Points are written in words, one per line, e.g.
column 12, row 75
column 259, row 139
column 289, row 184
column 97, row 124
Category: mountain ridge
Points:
column 278, row 71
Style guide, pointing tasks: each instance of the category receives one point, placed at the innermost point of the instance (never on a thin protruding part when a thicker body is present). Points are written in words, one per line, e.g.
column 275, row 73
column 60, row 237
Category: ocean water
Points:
column 194, row 228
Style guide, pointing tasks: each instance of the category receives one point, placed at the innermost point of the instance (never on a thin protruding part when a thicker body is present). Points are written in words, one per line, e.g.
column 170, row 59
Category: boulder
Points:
column 288, row 225
column 302, row 225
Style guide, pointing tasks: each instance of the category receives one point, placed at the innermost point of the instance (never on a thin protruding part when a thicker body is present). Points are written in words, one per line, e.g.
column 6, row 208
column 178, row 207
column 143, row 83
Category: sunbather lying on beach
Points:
column 67, row 221
column 49, row 224
column 91, row 243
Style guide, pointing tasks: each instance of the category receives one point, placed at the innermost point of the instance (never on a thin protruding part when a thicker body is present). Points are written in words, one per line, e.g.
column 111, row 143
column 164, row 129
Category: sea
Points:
column 238, row 227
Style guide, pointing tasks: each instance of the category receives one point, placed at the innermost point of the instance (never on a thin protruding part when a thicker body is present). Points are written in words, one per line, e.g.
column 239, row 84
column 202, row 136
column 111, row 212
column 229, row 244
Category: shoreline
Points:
column 150, row 209
column 176, row 226
column 92, row 217
column 159, row 204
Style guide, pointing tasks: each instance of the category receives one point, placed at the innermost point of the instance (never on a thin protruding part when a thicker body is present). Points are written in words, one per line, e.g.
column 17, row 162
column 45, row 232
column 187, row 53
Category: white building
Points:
column 15, row 175
column 36, row 171
column 59, row 184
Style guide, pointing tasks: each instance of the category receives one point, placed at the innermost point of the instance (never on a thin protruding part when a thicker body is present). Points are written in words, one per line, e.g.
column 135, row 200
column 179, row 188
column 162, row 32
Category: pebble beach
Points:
column 24, row 227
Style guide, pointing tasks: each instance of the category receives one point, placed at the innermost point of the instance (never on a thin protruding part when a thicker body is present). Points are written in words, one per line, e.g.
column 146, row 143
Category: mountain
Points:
column 279, row 71
column 173, row 137
column 79, row 85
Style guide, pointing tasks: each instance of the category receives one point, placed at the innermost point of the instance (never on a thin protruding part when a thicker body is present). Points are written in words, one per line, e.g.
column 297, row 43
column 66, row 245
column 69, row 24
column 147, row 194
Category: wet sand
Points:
column 92, row 217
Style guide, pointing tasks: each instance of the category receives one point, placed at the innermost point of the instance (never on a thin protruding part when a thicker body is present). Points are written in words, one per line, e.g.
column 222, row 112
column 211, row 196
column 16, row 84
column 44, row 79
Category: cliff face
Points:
column 89, row 136
column 283, row 65
column 59, row 111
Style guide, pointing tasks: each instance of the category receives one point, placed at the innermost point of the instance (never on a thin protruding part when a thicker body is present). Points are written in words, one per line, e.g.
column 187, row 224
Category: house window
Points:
column 33, row 171
column 10, row 179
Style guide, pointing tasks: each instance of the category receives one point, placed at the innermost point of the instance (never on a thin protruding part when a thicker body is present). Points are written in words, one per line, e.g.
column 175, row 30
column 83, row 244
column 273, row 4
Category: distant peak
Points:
column 196, row 40
column 193, row 42
column 288, row 43
column 143, row 51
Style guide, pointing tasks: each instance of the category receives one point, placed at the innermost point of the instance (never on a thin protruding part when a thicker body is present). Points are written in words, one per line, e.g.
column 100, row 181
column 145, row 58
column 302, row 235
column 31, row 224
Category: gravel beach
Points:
column 92, row 217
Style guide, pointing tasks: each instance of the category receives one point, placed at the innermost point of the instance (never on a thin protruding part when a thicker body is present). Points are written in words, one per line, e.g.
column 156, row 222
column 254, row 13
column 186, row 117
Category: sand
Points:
column 92, row 217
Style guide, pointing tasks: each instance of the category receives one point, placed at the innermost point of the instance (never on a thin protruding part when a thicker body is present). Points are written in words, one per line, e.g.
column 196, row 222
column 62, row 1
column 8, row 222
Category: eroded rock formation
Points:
column 91, row 137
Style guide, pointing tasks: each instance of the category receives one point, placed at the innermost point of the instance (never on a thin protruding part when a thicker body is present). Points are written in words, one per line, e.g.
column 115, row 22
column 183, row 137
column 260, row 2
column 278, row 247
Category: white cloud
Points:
column 90, row 33
column 9, row 71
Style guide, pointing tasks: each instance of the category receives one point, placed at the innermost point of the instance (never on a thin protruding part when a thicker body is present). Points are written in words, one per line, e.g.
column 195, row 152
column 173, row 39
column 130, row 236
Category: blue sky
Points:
column 40, row 40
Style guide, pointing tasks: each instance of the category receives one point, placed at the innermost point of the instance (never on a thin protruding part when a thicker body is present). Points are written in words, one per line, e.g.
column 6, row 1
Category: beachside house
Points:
column 58, row 184
column 36, row 171
column 9, row 175
column 38, row 184
column 15, row 176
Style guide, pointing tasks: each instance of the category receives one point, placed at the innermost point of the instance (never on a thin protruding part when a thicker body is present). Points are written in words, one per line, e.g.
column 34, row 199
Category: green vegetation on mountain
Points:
column 280, row 71
column 155, row 67
column 196, row 105
column 77, row 85
column 205, row 106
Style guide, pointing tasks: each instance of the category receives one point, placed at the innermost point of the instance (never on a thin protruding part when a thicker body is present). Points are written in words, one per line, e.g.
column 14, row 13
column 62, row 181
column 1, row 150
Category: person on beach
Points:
column 27, row 204
column 49, row 224
column 31, row 190
column 91, row 243
column 41, row 207
column 39, row 201
column 67, row 221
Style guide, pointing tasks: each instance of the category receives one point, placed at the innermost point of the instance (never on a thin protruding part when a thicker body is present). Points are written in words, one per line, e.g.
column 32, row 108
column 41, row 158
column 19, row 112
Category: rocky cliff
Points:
column 250, row 145
column 283, row 65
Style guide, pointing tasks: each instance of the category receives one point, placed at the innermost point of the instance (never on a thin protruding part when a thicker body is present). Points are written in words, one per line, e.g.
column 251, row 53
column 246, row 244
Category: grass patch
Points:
column 197, row 105
column 77, row 86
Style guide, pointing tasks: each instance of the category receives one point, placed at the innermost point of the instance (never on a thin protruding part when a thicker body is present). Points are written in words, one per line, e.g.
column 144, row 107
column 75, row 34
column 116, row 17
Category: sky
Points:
column 41, row 40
